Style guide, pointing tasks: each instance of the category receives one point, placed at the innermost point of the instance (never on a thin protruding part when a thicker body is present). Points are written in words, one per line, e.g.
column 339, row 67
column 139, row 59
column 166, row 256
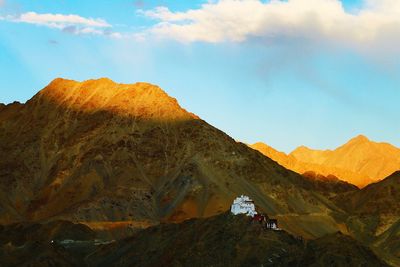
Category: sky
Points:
column 286, row 73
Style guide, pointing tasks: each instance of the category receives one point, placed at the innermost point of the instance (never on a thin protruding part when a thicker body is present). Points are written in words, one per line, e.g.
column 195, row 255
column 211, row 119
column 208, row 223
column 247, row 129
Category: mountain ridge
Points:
column 359, row 161
column 105, row 94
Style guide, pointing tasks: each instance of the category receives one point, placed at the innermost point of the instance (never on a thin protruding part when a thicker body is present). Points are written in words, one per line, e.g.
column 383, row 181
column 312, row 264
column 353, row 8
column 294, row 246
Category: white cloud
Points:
column 73, row 24
column 61, row 21
column 376, row 24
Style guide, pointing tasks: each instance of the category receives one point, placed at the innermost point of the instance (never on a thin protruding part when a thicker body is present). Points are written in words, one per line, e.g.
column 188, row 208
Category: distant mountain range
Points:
column 360, row 161
column 111, row 155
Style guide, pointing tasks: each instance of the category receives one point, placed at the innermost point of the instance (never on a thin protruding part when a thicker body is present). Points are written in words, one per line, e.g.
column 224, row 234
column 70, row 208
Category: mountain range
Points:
column 360, row 161
column 109, row 155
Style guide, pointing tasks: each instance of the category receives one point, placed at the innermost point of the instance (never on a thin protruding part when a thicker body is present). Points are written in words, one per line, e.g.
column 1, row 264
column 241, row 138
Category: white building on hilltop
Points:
column 243, row 205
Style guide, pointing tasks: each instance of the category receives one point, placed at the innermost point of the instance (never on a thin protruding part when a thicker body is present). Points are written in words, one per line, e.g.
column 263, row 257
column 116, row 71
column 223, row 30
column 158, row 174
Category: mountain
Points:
column 126, row 159
column 312, row 170
column 107, row 154
column 359, row 161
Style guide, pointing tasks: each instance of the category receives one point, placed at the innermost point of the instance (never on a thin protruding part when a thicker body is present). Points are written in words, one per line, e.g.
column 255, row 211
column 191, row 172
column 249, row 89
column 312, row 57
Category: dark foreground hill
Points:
column 27, row 244
column 228, row 240
column 222, row 240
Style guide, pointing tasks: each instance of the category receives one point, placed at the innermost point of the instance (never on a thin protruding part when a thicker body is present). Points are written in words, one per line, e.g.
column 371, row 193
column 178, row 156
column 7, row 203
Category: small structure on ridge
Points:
column 272, row 224
column 243, row 205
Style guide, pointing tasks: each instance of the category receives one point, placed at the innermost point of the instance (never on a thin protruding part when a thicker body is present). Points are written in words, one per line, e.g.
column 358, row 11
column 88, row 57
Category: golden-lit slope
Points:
column 141, row 100
column 283, row 159
column 373, row 161
column 360, row 161
column 306, row 168
column 101, row 151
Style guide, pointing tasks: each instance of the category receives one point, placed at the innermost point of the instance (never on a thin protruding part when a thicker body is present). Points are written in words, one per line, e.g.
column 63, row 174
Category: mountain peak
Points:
column 102, row 85
column 139, row 99
column 301, row 149
column 260, row 144
column 360, row 138
column 265, row 149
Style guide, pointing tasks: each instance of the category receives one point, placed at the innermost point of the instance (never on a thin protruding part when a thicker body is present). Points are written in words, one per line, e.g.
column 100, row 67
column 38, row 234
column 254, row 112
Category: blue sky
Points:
column 288, row 73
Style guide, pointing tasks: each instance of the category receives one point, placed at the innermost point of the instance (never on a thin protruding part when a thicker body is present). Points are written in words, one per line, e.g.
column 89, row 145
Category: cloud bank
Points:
column 376, row 23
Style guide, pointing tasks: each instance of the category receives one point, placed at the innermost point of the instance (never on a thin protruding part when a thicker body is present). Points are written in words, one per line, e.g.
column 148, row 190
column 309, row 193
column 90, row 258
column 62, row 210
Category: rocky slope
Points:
column 98, row 151
column 388, row 244
column 359, row 161
column 378, row 198
column 374, row 214
column 376, row 203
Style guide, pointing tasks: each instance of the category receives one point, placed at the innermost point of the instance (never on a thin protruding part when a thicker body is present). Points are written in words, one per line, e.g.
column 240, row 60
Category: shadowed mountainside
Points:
column 374, row 216
column 228, row 240
column 222, row 240
column 359, row 161
column 26, row 244
column 98, row 151
column 378, row 198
